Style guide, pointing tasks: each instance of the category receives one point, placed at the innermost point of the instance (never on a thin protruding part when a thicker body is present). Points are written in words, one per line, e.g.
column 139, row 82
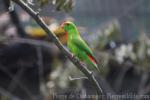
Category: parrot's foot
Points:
column 72, row 55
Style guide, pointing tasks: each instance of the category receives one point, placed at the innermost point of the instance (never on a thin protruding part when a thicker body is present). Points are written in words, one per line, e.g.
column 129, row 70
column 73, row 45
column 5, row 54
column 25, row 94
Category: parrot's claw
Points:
column 72, row 56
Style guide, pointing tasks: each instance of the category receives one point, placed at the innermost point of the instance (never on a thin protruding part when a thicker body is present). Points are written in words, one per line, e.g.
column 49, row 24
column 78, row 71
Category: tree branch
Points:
column 61, row 47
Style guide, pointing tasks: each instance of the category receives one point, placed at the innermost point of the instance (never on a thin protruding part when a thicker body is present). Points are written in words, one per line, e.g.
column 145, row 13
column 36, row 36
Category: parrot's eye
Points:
column 67, row 24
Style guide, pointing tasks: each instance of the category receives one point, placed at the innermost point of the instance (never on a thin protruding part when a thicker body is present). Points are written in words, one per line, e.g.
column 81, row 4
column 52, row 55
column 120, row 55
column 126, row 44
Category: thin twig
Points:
column 76, row 78
column 60, row 46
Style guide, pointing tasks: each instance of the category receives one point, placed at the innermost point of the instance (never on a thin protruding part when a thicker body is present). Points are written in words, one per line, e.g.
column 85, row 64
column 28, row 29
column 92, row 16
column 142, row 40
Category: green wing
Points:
column 82, row 45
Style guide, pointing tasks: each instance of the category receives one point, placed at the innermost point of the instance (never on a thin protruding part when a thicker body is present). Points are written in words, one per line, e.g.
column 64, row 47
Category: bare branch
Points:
column 76, row 78
column 61, row 47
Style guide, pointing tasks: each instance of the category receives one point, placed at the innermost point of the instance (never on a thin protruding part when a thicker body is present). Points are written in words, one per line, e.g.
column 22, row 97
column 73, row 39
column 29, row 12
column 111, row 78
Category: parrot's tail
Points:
column 94, row 62
column 92, row 59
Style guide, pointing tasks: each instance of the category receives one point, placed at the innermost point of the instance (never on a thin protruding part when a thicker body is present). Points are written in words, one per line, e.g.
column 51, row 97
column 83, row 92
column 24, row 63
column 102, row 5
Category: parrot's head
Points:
column 68, row 25
column 70, row 29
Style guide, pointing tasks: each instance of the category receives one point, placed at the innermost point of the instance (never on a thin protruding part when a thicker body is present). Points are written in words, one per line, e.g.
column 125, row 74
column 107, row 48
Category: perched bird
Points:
column 78, row 46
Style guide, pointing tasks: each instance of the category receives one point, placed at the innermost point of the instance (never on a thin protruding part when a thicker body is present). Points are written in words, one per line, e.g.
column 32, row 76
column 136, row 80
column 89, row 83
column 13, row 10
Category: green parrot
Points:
column 78, row 46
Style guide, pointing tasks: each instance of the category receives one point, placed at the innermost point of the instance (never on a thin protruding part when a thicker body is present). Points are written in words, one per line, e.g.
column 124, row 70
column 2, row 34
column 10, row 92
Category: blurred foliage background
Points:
column 32, row 67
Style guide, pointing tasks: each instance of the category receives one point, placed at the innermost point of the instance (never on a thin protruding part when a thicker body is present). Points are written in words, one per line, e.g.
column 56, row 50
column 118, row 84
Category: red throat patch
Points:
column 67, row 36
column 92, row 59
